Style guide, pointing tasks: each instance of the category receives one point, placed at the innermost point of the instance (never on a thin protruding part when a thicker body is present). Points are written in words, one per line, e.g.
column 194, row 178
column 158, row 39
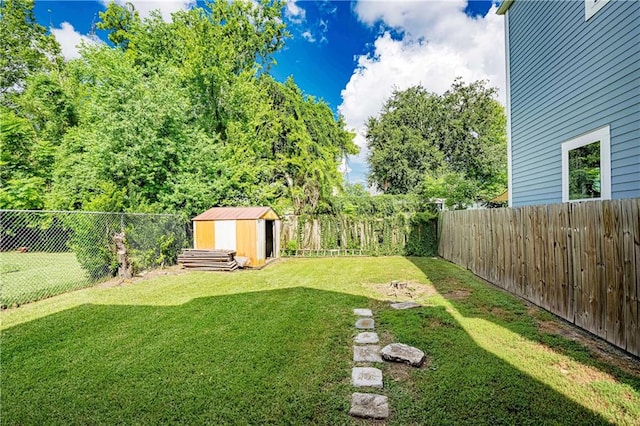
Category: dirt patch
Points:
column 600, row 349
column 457, row 294
column 583, row 374
column 435, row 323
column 495, row 312
column 450, row 281
column 409, row 290
column 146, row 275
column 371, row 422
column 399, row 372
column 386, row 338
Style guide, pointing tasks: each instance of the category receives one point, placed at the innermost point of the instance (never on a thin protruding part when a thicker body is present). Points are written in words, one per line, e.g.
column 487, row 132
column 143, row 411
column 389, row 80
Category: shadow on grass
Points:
column 269, row 357
column 473, row 298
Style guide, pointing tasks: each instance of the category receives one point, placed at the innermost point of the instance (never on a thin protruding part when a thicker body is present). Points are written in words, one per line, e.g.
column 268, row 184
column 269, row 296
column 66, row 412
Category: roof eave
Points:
column 504, row 6
column 257, row 213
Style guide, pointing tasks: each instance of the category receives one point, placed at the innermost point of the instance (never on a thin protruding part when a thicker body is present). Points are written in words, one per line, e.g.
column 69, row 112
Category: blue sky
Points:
column 352, row 54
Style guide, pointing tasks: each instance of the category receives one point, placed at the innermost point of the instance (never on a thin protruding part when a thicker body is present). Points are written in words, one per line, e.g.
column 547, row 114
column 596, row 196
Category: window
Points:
column 591, row 7
column 586, row 167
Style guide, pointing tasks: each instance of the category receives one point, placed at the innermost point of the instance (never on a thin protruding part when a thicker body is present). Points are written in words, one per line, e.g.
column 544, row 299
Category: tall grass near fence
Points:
column 44, row 253
column 580, row 261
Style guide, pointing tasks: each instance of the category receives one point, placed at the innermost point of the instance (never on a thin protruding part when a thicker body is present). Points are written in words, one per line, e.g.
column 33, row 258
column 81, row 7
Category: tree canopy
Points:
column 26, row 48
column 441, row 146
column 172, row 116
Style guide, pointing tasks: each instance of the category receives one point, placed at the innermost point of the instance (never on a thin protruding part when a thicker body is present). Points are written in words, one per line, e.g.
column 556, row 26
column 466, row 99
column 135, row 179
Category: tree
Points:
column 133, row 134
column 26, row 48
column 404, row 142
column 305, row 144
column 20, row 187
column 176, row 116
column 474, row 136
column 457, row 191
column 121, row 21
column 211, row 47
column 421, row 138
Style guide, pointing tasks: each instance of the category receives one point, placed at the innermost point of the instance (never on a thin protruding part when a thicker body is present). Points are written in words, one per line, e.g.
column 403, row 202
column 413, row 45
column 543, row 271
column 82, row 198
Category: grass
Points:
column 274, row 347
column 31, row 276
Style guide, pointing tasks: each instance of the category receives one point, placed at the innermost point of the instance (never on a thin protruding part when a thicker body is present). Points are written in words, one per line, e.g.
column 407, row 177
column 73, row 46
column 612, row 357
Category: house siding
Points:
column 568, row 77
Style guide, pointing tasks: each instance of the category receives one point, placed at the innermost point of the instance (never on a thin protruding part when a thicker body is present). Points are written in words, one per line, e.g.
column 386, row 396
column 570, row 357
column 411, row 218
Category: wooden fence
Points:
column 580, row 261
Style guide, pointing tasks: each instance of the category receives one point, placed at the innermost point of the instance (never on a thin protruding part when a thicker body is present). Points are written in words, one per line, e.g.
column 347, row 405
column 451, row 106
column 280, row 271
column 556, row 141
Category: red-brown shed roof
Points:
column 234, row 213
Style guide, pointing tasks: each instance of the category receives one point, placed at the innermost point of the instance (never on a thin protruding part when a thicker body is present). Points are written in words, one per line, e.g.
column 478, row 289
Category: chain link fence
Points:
column 44, row 253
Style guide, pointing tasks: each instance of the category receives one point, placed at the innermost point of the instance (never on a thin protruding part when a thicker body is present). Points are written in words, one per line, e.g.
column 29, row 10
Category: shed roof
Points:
column 504, row 197
column 236, row 213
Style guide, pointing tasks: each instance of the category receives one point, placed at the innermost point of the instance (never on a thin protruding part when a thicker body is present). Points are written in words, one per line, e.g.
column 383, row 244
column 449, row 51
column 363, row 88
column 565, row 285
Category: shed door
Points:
column 246, row 239
column 225, row 233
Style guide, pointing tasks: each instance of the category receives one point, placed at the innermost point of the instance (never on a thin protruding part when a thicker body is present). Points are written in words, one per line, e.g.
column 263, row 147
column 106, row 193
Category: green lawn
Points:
column 274, row 347
column 31, row 276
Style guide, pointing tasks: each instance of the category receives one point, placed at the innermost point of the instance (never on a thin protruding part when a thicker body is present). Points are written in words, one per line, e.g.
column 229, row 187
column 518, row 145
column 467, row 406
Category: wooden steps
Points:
column 208, row 260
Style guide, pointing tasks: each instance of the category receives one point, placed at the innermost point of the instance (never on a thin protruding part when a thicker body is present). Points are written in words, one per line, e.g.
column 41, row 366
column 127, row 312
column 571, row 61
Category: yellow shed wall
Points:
column 246, row 240
column 204, row 235
column 270, row 215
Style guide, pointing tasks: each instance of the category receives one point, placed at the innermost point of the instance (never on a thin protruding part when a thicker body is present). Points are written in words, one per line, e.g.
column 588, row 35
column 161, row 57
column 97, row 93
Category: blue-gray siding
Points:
column 568, row 77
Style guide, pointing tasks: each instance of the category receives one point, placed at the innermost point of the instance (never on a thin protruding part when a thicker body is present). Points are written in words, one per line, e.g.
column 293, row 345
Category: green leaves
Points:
column 123, row 21
column 305, row 144
column 133, row 131
column 178, row 116
column 432, row 145
column 26, row 48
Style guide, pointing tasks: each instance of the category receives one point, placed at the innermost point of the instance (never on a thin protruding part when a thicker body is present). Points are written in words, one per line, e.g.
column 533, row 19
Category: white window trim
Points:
column 591, row 7
column 603, row 135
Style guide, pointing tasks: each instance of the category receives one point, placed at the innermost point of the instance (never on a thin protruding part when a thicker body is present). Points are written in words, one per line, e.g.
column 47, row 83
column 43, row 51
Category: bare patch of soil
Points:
column 495, row 312
column 146, row 275
column 399, row 372
column 600, row 349
column 457, row 294
column 412, row 291
column 371, row 422
column 435, row 323
column 450, row 281
column 583, row 374
column 386, row 338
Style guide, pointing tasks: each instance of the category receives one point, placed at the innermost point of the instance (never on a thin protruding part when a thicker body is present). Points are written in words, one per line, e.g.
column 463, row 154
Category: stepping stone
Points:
column 405, row 305
column 366, row 376
column 369, row 406
column 366, row 338
column 363, row 312
column 365, row 324
column 366, row 354
column 398, row 352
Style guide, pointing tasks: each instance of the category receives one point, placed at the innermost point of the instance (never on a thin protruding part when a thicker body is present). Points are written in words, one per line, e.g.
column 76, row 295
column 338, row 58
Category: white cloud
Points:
column 297, row 16
column 327, row 7
column 438, row 43
column 294, row 13
column 70, row 40
column 167, row 7
column 308, row 36
column 323, row 27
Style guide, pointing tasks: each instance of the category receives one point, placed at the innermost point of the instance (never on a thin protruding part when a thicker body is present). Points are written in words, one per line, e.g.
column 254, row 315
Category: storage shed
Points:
column 253, row 232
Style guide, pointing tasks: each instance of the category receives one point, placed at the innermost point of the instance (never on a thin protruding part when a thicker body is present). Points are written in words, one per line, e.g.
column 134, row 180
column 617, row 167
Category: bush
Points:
column 423, row 235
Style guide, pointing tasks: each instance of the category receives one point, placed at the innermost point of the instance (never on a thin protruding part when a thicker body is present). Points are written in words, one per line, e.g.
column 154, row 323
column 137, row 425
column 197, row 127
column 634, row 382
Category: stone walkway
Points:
column 365, row 353
column 367, row 405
